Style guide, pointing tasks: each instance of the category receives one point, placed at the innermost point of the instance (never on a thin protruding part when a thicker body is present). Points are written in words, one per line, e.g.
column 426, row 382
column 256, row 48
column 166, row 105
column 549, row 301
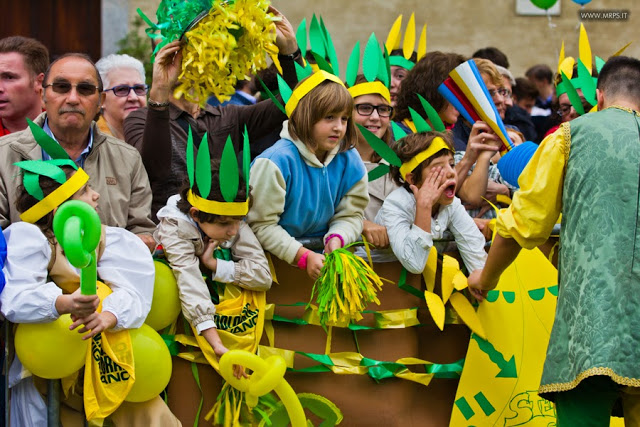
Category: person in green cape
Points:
column 588, row 170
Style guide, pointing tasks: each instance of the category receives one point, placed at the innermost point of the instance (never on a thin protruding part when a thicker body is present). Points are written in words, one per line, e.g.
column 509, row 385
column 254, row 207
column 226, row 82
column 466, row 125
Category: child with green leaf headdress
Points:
column 373, row 112
column 43, row 285
column 203, row 229
column 426, row 206
column 311, row 183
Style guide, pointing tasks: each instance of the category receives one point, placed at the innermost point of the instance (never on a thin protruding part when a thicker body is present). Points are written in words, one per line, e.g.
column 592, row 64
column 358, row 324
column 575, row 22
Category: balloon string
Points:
column 551, row 24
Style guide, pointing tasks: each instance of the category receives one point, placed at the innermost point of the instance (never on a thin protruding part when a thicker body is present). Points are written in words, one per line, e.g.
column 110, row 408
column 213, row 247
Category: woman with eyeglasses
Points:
column 372, row 110
column 125, row 89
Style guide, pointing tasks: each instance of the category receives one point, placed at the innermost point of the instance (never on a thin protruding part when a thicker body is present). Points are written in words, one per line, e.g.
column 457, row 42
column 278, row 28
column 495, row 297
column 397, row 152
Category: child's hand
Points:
column 375, row 234
column 95, row 322
column 428, row 194
column 478, row 289
column 482, row 140
column 77, row 304
column 207, row 257
column 314, row 264
column 238, row 370
column 332, row 244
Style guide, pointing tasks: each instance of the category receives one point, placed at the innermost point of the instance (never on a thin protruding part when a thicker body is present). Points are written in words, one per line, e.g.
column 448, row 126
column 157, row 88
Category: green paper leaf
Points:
column 370, row 59
column 587, row 84
column 398, row 132
column 303, row 72
column 380, row 147
column 331, row 50
column 246, row 158
column 574, row 98
column 379, row 171
column 203, row 168
column 229, row 180
column 43, row 168
column 190, row 158
column 272, row 96
column 322, row 63
column 388, row 66
column 301, row 36
column 599, row 63
column 48, row 144
column 432, row 114
column 316, row 38
column 285, row 90
column 419, row 121
column 383, row 69
column 353, row 65
column 31, row 183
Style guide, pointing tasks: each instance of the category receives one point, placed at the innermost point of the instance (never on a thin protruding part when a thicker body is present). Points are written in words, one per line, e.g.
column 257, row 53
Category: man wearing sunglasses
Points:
column 23, row 62
column 72, row 96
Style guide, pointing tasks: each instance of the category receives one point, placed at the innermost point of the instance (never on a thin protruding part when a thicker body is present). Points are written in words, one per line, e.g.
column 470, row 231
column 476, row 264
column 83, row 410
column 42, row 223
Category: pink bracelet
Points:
column 302, row 262
column 331, row 236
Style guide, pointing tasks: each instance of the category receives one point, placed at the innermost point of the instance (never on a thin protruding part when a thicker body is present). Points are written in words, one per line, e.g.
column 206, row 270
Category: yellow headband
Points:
column 377, row 88
column 218, row 208
column 306, row 87
column 56, row 198
column 436, row 145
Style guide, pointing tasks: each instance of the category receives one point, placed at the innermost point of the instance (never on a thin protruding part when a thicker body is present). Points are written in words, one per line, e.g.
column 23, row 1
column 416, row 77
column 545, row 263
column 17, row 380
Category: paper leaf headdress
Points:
column 320, row 44
column 408, row 44
column 226, row 42
column 314, row 74
column 32, row 170
column 466, row 91
column 199, row 173
column 375, row 68
column 584, row 80
column 421, row 125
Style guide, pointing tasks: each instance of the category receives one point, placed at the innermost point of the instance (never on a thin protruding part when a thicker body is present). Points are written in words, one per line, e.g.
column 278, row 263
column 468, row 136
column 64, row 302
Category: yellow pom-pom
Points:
column 228, row 45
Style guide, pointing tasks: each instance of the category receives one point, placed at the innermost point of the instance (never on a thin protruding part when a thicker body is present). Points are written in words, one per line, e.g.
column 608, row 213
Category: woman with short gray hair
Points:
column 124, row 85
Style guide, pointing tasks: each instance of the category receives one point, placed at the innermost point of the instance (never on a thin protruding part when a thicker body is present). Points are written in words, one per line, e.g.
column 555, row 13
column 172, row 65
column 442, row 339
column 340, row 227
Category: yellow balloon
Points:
column 165, row 305
column 50, row 350
column 152, row 363
column 267, row 375
column 103, row 291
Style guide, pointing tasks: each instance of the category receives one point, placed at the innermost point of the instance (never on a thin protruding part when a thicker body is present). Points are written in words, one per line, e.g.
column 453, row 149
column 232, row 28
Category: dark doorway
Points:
column 61, row 25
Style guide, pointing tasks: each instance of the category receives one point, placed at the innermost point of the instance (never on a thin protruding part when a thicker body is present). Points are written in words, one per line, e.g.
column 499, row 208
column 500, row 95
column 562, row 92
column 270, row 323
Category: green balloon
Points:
column 544, row 4
column 77, row 227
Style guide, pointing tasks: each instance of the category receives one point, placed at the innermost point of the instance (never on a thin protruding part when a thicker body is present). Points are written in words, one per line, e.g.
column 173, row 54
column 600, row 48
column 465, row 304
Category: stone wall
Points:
column 466, row 25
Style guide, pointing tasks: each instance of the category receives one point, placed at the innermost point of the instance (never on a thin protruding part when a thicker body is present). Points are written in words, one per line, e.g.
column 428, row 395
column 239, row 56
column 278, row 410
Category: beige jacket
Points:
column 115, row 171
column 182, row 241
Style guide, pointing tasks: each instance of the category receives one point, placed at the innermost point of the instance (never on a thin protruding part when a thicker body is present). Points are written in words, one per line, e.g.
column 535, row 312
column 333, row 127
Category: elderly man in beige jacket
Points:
column 72, row 95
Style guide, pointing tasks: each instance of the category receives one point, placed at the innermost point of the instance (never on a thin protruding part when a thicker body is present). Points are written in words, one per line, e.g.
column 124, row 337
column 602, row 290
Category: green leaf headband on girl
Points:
column 320, row 44
column 408, row 46
column 199, row 172
column 421, row 125
column 291, row 97
column 34, row 169
column 375, row 65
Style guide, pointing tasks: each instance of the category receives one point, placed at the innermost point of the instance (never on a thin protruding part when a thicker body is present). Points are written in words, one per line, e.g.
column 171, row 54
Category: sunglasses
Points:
column 367, row 110
column 123, row 90
column 83, row 89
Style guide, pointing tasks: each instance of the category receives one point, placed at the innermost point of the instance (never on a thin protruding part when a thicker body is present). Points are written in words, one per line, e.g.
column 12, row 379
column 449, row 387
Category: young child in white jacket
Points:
column 425, row 205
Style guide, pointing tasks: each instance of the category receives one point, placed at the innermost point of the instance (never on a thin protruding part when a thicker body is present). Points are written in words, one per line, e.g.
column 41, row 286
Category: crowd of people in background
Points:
column 308, row 178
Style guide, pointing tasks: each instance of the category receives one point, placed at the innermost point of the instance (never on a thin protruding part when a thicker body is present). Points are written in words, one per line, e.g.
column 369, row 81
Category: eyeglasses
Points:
column 564, row 109
column 503, row 91
column 62, row 87
column 123, row 90
column 367, row 110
